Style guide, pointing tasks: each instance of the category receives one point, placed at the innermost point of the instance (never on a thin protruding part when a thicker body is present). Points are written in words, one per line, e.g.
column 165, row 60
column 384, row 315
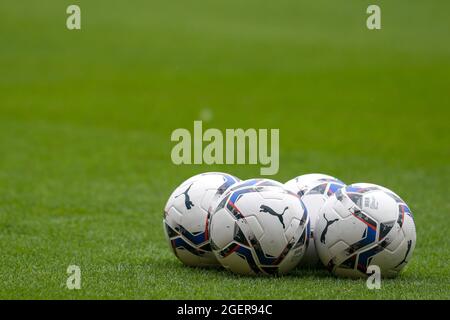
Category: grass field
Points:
column 86, row 118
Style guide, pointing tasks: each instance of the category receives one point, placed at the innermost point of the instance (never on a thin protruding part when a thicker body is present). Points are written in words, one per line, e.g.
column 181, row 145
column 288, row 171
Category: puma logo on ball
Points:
column 324, row 232
column 269, row 210
column 187, row 200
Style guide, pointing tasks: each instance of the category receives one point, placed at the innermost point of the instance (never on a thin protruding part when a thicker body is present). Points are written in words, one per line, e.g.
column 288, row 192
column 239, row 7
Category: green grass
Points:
column 86, row 117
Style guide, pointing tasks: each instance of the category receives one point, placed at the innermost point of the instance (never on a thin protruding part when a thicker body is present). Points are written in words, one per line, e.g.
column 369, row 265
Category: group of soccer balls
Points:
column 261, row 226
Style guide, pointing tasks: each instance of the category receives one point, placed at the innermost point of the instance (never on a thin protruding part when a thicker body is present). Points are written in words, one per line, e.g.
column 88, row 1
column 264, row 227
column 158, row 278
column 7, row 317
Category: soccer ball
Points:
column 259, row 227
column 186, row 216
column 314, row 189
column 362, row 225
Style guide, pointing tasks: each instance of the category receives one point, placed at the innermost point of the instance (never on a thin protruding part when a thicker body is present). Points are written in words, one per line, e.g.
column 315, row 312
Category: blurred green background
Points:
column 86, row 118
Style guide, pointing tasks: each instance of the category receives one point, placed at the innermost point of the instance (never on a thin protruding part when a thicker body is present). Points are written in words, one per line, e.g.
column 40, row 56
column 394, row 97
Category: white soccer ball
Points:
column 186, row 216
column 363, row 225
column 314, row 189
column 259, row 227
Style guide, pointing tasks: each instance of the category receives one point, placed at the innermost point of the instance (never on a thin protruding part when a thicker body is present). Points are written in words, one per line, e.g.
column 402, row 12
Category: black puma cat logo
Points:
column 407, row 252
column 187, row 200
column 324, row 232
column 269, row 210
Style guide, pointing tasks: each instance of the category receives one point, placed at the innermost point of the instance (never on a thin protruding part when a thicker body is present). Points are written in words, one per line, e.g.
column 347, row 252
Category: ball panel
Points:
column 255, row 226
column 241, row 260
column 222, row 228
